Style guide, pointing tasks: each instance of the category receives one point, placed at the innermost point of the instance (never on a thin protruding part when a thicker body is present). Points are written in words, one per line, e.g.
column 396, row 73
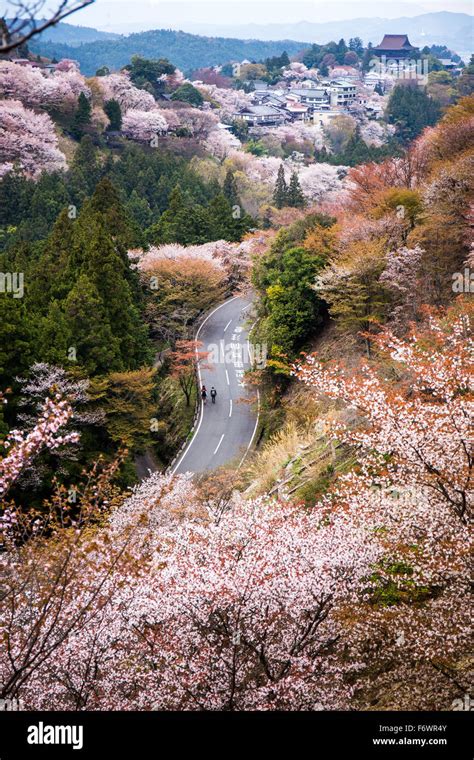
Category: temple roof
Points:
column 395, row 42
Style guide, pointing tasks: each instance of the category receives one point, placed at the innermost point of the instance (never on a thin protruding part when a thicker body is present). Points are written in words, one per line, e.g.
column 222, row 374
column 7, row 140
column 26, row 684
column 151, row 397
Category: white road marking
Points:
column 227, row 325
column 247, row 307
column 248, row 340
column 227, row 377
column 230, row 410
column 217, row 447
column 254, row 431
column 200, row 383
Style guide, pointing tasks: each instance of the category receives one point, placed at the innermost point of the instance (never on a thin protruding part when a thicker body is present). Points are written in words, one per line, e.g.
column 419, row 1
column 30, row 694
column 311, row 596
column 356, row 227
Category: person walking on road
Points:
column 203, row 394
column 213, row 394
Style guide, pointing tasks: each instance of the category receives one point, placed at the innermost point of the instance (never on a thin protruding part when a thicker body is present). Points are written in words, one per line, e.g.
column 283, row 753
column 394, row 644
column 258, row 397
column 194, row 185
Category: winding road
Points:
column 226, row 429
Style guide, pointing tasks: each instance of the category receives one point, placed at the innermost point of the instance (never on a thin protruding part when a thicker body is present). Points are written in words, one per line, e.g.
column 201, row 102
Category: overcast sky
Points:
column 176, row 14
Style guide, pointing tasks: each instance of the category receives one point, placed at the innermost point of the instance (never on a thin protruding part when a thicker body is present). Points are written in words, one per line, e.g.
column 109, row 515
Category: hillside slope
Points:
column 187, row 51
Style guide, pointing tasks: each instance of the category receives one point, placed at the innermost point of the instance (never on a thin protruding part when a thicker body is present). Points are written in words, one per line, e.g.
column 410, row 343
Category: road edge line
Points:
column 254, row 431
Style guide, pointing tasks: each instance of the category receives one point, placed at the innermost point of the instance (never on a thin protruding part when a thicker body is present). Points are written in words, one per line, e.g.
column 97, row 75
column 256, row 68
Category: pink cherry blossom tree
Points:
column 229, row 101
column 22, row 447
column 402, row 275
column 120, row 87
column 220, row 143
column 423, row 432
column 28, row 139
column 232, row 258
column 143, row 126
column 198, row 123
column 35, row 89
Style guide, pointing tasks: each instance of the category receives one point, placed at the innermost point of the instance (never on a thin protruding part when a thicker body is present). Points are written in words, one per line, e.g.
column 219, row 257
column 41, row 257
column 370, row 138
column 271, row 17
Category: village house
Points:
column 46, row 66
column 27, row 62
column 311, row 98
column 262, row 115
column 298, row 111
column 345, row 93
column 260, row 84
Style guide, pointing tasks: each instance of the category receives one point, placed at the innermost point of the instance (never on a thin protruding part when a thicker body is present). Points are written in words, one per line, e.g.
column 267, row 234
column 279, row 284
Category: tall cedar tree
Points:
column 84, row 294
column 230, row 189
column 82, row 116
column 280, row 194
column 105, row 267
column 114, row 112
column 296, row 198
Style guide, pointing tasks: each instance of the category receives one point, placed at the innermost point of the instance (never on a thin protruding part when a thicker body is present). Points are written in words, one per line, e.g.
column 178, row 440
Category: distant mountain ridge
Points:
column 428, row 28
column 187, row 51
column 69, row 34
column 93, row 48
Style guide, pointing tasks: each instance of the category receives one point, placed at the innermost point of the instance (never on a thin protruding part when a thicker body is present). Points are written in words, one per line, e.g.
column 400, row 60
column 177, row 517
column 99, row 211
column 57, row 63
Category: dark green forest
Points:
column 187, row 51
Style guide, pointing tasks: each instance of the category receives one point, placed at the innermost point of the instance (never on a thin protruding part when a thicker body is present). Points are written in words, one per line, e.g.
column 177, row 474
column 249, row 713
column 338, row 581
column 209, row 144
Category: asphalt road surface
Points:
column 225, row 430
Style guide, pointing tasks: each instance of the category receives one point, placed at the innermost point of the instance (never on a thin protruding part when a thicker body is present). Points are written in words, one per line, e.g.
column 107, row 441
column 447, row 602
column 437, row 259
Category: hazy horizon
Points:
column 187, row 15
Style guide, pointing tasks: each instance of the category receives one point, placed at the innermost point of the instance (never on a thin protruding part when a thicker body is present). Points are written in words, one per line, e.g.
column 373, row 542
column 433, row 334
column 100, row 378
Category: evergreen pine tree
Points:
column 85, row 170
column 50, row 197
column 82, row 116
column 15, row 198
column 107, row 201
column 104, row 266
column 183, row 222
column 54, row 342
column 139, row 210
column 280, row 194
column 114, row 112
column 368, row 55
column 54, row 272
column 295, row 194
column 89, row 331
column 17, row 338
column 356, row 151
column 230, row 189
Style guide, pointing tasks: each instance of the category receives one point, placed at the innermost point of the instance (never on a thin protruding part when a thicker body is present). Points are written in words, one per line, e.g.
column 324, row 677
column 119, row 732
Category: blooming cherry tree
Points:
column 23, row 447
column 220, row 143
column 120, row 87
column 423, row 434
column 34, row 88
column 230, row 101
column 143, row 126
column 28, row 139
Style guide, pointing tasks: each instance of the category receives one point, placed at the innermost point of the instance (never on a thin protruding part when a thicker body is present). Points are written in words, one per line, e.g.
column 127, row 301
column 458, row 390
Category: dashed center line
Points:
column 230, row 410
column 217, row 447
column 227, row 325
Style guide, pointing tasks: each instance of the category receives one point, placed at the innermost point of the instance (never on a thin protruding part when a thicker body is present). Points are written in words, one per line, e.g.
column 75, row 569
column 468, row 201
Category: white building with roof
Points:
column 262, row 115
column 345, row 92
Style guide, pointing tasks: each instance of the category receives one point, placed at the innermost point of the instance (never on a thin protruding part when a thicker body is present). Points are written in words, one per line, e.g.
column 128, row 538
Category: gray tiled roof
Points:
column 261, row 110
column 305, row 92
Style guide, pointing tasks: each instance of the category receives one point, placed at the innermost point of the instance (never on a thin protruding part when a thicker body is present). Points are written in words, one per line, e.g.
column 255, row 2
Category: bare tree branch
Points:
column 25, row 21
